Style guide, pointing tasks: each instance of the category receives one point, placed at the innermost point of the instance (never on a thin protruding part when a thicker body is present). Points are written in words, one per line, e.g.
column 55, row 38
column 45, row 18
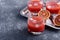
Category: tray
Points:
column 25, row 12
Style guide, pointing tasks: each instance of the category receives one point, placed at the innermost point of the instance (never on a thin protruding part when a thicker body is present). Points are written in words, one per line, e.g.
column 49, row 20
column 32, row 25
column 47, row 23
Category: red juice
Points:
column 35, row 6
column 36, row 24
column 53, row 7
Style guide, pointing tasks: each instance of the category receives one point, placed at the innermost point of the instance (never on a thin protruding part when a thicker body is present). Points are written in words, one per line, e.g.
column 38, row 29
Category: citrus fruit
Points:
column 57, row 20
column 44, row 13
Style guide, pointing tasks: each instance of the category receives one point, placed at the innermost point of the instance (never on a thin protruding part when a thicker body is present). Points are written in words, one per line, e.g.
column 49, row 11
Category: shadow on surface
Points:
column 51, row 29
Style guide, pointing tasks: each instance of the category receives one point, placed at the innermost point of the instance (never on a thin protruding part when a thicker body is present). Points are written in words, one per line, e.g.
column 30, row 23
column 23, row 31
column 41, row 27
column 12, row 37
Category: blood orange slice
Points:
column 44, row 13
column 56, row 20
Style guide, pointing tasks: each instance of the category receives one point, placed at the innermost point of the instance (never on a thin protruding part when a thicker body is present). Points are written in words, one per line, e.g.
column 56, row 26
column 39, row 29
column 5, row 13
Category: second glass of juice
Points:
column 36, row 25
column 53, row 5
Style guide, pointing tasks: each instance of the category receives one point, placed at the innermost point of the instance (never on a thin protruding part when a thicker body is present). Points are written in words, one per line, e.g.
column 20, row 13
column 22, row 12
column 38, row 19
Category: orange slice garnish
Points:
column 56, row 20
column 44, row 13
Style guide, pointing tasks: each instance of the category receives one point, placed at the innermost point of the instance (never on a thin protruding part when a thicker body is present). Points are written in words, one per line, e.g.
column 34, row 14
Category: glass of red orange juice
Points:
column 35, row 6
column 36, row 25
column 53, row 5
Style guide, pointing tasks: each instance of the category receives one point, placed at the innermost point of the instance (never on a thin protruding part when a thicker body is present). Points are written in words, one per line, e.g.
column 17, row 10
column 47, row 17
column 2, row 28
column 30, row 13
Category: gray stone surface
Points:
column 14, row 26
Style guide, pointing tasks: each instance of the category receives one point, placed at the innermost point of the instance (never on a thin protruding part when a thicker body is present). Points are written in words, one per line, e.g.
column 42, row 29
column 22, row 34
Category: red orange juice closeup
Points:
column 35, row 5
column 36, row 24
column 53, row 6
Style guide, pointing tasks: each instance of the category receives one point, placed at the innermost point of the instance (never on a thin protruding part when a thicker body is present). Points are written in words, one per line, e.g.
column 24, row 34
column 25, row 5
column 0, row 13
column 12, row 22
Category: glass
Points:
column 53, row 5
column 36, row 25
column 35, row 6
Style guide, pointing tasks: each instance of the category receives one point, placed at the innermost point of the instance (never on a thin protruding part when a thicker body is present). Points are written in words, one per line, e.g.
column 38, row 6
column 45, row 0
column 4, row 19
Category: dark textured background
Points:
column 14, row 26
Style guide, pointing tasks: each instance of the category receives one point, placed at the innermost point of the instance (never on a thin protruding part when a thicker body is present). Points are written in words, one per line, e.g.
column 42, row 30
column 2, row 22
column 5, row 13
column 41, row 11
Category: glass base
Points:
column 34, row 33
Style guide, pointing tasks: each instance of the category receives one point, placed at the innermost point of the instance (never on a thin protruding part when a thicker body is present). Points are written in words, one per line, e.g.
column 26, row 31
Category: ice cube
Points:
column 49, row 6
column 36, row 25
column 35, row 4
column 30, row 5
